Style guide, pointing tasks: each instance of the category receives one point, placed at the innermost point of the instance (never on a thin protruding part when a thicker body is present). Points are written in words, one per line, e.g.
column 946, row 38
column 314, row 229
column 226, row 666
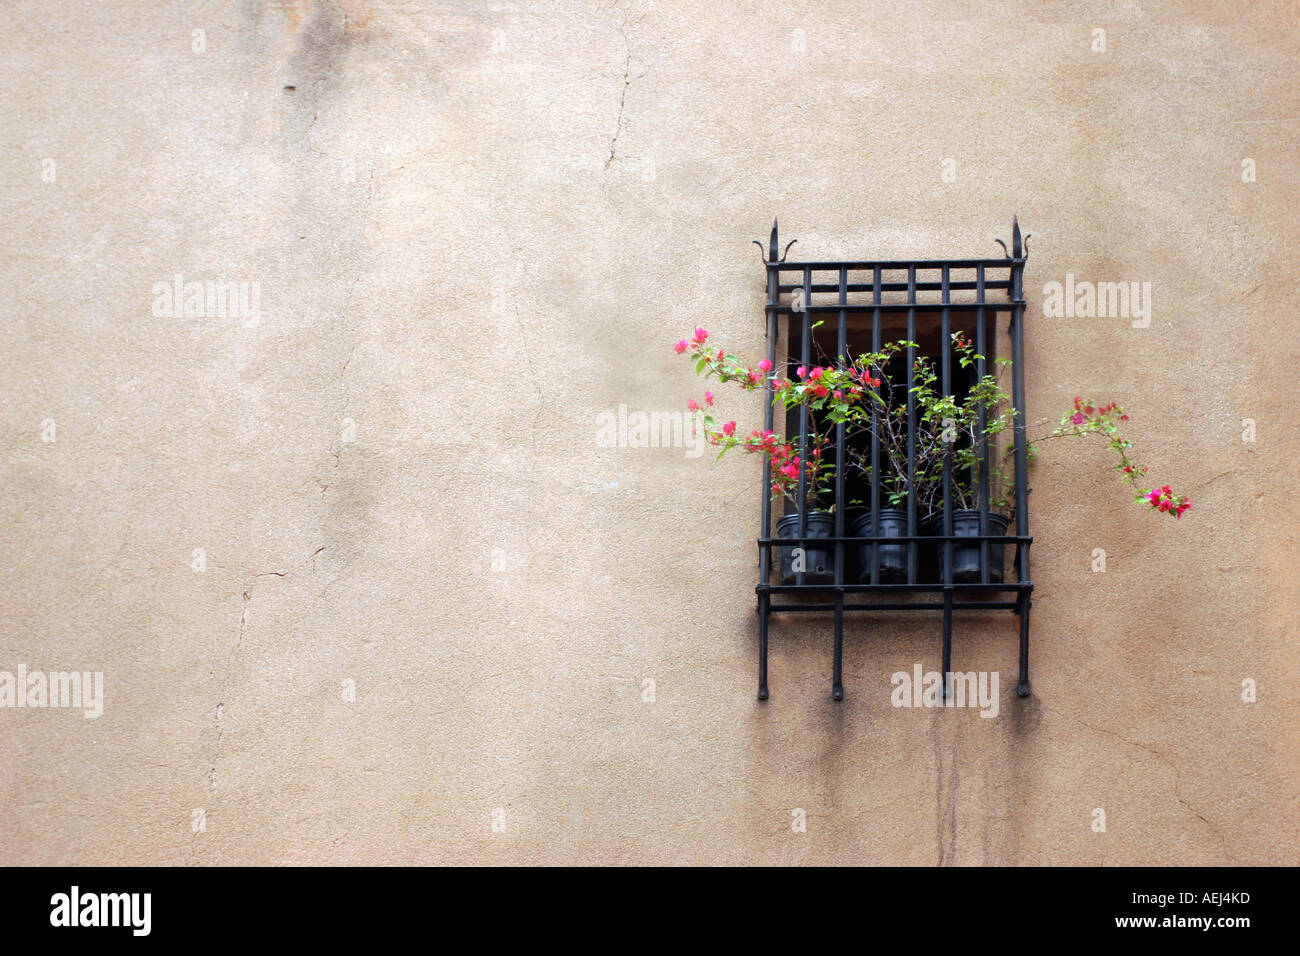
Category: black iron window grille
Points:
column 921, row 302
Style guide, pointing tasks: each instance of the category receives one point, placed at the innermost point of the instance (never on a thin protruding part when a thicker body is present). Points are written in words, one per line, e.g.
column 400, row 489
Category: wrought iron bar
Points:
column 981, row 461
column 765, row 550
column 876, row 346
column 911, row 423
column 1022, row 469
column 841, row 344
column 945, row 382
column 854, row 308
column 921, row 286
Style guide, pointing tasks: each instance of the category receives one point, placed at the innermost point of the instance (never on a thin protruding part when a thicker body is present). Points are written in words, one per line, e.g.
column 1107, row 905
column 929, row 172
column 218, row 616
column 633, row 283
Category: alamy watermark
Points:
column 210, row 299
column 82, row 690
column 1098, row 300
column 964, row 689
column 635, row 429
column 75, row 908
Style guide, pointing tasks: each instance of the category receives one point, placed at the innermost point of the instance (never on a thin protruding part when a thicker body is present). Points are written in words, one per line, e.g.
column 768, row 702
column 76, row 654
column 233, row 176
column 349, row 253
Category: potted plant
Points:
column 887, row 419
column 969, row 431
column 858, row 395
column 972, row 430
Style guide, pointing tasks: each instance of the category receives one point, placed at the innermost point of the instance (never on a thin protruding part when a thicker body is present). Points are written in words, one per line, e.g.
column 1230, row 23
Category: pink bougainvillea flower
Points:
column 708, row 398
column 693, row 405
column 701, row 335
column 800, row 370
column 816, row 373
column 821, row 391
column 729, row 429
column 680, row 347
column 1078, row 418
column 765, row 365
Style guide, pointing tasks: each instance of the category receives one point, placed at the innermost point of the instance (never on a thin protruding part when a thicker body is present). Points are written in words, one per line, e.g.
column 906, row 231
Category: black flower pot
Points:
column 818, row 562
column 891, row 559
column 966, row 555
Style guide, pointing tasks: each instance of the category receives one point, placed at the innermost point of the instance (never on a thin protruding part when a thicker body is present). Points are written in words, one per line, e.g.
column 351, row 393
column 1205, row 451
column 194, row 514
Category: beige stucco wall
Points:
column 478, row 226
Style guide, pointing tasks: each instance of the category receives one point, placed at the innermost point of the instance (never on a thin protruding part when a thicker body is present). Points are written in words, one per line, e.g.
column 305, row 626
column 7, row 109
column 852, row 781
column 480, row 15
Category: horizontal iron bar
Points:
column 972, row 538
column 894, row 286
column 903, row 606
column 896, row 307
column 861, row 588
column 792, row 266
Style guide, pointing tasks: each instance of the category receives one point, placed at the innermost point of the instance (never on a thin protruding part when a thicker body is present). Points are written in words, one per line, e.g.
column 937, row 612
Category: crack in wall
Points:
column 622, row 102
column 220, row 710
column 1178, row 776
column 622, row 99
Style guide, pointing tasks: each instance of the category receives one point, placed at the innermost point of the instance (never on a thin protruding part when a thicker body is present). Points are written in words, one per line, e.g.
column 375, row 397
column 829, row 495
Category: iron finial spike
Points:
column 772, row 249
column 1016, row 244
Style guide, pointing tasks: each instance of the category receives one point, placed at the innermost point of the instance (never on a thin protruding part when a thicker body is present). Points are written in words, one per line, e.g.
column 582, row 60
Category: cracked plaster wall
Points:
column 477, row 226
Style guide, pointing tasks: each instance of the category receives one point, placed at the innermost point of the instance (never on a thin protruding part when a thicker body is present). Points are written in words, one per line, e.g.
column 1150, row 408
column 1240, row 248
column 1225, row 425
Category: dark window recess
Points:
column 897, row 560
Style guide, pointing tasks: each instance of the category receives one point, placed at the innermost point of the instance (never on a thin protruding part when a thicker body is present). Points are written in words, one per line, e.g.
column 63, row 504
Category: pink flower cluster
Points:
column 1084, row 410
column 787, row 466
column 1163, row 499
column 1089, row 417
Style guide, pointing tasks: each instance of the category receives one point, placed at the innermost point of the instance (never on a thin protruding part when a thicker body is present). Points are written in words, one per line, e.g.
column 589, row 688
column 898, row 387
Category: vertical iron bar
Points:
column 773, row 307
column 1022, row 468
column 982, row 460
column 945, row 382
column 837, row 675
column 805, row 349
column 875, row 429
column 1018, row 399
column 947, row 642
column 1022, row 688
column 911, row 424
column 841, row 335
column 765, row 550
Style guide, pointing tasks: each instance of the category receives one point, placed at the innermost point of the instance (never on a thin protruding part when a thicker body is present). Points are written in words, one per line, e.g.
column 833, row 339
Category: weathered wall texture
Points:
column 477, row 226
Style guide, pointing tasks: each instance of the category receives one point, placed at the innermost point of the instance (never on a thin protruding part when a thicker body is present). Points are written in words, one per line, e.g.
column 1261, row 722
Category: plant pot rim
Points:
column 795, row 515
column 866, row 514
column 966, row 513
